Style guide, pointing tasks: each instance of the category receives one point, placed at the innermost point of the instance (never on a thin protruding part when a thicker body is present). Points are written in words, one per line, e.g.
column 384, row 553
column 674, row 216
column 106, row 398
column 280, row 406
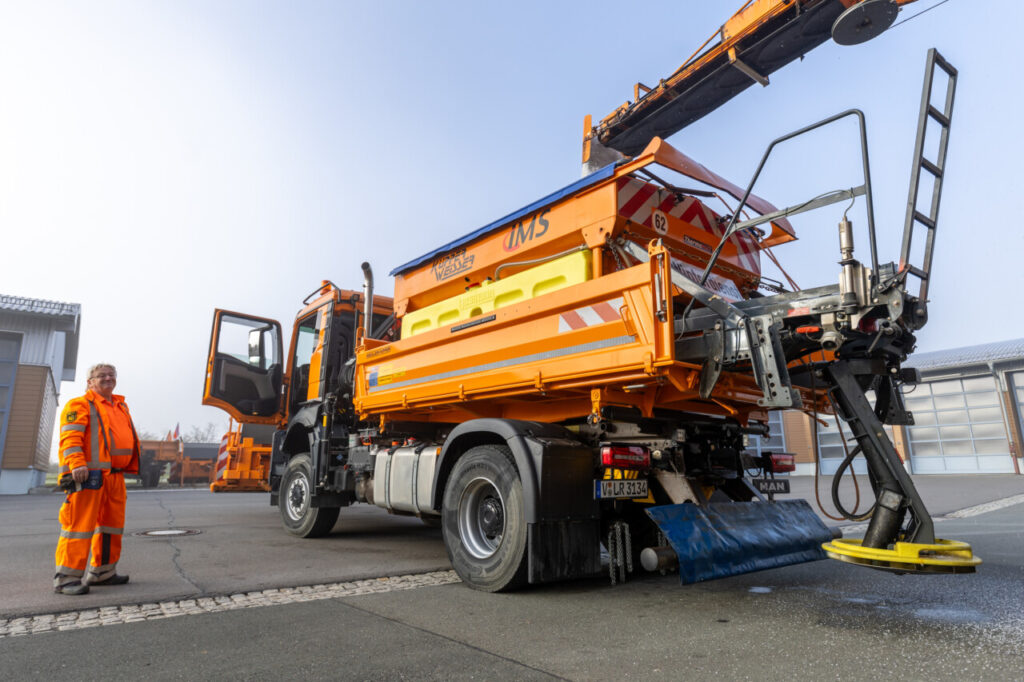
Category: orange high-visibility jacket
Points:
column 86, row 438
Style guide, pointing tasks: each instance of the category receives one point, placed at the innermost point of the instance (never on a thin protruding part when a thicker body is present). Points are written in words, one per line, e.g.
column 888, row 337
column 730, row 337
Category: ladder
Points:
column 936, row 169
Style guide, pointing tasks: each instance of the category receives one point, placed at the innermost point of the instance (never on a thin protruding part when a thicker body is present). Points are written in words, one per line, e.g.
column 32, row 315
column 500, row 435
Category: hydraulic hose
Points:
column 844, row 514
column 837, row 479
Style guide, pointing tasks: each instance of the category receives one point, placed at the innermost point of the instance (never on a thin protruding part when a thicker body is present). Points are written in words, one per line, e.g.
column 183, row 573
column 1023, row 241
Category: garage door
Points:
column 831, row 449
column 958, row 428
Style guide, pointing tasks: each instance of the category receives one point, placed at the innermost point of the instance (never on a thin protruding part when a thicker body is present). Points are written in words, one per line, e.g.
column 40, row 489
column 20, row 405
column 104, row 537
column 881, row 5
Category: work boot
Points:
column 112, row 580
column 75, row 587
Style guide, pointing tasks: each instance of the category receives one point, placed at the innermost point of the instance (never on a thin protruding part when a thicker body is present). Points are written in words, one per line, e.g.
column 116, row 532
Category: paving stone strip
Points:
column 134, row 613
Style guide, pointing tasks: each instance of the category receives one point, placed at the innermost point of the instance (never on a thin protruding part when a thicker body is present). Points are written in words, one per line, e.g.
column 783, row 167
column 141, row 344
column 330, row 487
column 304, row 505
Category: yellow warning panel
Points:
column 542, row 279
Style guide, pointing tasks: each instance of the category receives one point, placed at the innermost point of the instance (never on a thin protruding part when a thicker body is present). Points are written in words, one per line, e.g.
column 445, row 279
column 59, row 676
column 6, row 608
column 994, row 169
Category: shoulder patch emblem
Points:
column 71, row 416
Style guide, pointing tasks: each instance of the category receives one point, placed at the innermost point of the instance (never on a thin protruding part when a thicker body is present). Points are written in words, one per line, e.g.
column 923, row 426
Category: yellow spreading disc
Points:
column 945, row 556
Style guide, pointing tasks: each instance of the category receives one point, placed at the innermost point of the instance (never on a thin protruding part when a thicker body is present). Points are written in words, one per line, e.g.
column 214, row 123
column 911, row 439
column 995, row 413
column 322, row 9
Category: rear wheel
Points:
column 483, row 520
column 294, row 502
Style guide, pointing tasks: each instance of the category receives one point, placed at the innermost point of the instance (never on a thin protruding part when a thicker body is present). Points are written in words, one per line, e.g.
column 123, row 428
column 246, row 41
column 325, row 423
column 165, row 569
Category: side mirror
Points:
column 257, row 358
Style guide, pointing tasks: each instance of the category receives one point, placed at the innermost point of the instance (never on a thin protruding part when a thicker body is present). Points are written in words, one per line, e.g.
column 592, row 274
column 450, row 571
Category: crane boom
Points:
column 760, row 38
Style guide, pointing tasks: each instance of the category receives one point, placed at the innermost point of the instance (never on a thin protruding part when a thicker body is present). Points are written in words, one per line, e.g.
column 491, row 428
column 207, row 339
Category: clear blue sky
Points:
column 161, row 159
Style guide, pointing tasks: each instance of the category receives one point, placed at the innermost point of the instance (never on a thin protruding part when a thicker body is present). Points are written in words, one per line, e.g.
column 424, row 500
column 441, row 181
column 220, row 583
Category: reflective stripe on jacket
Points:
column 84, row 438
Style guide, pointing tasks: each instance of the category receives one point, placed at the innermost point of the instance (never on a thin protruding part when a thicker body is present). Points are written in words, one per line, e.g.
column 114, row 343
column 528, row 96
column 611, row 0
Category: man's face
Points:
column 103, row 381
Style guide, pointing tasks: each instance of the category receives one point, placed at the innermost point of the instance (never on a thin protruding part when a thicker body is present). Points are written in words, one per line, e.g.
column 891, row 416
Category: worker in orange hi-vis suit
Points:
column 98, row 445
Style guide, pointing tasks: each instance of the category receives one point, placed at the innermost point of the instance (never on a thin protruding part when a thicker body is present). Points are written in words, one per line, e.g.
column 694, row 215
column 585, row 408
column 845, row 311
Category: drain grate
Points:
column 168, row 532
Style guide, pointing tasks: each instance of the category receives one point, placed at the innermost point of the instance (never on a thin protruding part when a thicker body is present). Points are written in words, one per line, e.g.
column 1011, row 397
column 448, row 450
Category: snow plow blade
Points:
column 730, row 538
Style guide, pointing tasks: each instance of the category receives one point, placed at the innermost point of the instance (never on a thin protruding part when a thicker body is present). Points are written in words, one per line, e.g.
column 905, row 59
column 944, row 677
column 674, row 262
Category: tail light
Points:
column 783, row 462
column 626, row 457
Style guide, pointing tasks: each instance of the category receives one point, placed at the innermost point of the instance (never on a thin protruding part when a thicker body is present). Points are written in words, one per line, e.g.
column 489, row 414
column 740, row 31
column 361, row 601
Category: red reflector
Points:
column 625, row 457
column 808, row 330
column 868, row 326
column 783, row 462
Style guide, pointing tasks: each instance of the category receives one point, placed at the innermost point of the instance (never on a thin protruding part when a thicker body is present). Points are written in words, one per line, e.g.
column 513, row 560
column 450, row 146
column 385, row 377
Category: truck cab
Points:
column 306, row 394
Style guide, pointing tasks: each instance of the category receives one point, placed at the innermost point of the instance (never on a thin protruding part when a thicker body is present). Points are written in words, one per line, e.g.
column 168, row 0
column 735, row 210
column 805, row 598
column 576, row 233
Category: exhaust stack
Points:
column 367, row 300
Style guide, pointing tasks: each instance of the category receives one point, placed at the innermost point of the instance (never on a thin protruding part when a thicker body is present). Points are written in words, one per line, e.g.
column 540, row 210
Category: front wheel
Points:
column 294, row 502
column 483, row 520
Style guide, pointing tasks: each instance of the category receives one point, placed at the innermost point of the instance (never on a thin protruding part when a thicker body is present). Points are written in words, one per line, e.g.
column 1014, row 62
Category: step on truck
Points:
column 572, row 388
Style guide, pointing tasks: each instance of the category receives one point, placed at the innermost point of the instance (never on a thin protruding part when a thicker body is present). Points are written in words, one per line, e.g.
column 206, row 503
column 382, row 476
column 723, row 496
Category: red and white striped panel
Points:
column 222, row 458
column 638, row 200
column 588, row 316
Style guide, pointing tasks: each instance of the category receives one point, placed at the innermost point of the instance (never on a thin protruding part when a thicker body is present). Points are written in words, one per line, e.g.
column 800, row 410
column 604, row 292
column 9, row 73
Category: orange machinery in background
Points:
column 184, row 463
column 195, row 465
column 243, row 459
column 154, row 455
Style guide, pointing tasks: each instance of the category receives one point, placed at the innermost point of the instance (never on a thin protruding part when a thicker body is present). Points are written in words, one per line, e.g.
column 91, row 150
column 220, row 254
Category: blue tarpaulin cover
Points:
column 572, row 188
column 729, row 538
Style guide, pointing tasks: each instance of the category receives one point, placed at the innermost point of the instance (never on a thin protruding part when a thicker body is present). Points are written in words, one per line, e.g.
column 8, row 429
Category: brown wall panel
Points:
column 1013, row 428
column 24, row 422
column 799, row 436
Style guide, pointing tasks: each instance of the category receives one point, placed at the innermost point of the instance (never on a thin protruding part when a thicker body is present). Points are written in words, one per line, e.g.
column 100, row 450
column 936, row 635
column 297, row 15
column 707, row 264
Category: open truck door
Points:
column 243, row 368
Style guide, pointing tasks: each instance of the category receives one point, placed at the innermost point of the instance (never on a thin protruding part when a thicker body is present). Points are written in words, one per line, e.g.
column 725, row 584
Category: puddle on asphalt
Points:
column 949, row 615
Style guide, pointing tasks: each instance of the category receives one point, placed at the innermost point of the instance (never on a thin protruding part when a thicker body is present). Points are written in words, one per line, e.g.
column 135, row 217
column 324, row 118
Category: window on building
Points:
column 10, row 350
column 830, row 442
column 775, row 441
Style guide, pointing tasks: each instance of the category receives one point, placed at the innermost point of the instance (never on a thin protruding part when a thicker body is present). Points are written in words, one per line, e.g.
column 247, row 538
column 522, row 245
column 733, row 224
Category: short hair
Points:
column 99, row 365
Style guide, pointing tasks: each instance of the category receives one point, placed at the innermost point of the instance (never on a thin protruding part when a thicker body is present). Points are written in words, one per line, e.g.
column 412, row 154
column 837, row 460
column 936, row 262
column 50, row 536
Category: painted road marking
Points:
column 960, row 514
column 985, row 508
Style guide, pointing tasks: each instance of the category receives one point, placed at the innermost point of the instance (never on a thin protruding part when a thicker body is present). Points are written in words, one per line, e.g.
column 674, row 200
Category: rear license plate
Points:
column 771, row 485
column 618, row 489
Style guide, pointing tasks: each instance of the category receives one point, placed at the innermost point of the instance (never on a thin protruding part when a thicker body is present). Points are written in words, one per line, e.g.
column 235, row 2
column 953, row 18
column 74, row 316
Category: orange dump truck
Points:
column 572, row 388
column 560, row 380
column 154, row 456
column 196, row 464
column 182, row 462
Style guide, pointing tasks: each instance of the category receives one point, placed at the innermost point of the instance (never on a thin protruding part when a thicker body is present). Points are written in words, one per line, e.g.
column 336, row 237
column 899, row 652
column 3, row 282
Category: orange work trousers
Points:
column 91, row 519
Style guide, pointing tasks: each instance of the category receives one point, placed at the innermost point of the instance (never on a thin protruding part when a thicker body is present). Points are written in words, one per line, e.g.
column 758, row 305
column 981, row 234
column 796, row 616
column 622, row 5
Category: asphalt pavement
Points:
column 818, row 620
column 238, row 544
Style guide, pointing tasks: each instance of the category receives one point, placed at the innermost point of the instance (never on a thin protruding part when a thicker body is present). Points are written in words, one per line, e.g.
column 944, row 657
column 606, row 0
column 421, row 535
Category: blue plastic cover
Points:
column 594, row 177
column 730, row 538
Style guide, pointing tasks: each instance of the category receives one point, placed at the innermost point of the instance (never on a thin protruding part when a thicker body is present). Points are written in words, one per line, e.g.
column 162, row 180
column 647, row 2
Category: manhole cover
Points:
column 168, row 532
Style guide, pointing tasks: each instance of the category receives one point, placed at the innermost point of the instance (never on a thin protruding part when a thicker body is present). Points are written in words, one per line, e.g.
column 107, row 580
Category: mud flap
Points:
column 730, row 538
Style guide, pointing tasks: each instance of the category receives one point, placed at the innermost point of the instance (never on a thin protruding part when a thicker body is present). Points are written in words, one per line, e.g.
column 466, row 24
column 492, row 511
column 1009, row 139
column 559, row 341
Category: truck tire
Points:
column 150, row 477
column 483, row 520
column 296, row 489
